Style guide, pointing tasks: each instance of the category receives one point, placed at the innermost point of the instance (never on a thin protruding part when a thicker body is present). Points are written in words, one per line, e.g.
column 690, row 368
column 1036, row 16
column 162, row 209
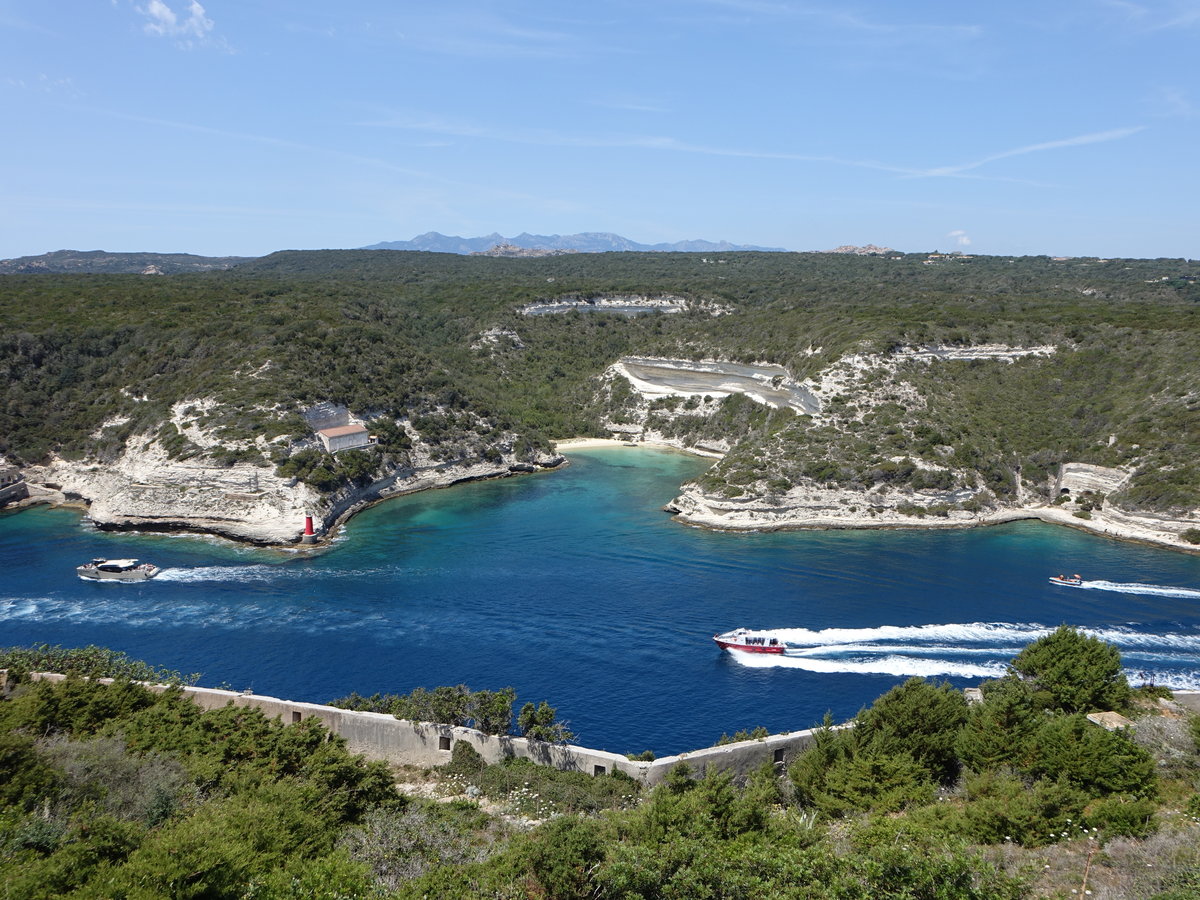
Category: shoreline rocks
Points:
column 849, row 509
column 144, row 489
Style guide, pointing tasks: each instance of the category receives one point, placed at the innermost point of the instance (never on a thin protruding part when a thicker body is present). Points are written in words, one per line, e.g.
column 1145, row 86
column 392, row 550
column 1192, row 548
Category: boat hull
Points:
column 750, row 648
column 747, row 641
column 1066, row 582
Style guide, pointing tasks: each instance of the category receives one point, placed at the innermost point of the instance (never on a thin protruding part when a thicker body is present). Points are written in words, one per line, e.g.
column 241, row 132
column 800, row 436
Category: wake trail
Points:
column 963, row 650
column 266, row 573
column 1154, row 590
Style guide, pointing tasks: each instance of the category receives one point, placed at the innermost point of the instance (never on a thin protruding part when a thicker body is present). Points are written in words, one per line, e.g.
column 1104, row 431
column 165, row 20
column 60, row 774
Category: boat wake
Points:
column 222, row 573
column 1154, row 590
column 258, row 572
column 971, row 650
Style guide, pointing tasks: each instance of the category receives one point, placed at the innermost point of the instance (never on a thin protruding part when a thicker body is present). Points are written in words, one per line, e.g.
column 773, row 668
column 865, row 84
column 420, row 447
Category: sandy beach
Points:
column 586, row 443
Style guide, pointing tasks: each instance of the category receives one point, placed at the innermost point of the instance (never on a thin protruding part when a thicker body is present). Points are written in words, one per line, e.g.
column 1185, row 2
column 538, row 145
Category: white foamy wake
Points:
column 1154, row 590
column 221, row 573
column 966, row 650
column 262, row 573
column 889, row 664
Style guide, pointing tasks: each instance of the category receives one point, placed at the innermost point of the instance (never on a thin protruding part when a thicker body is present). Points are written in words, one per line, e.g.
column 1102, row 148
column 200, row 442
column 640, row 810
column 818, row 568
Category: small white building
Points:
column 344, row 437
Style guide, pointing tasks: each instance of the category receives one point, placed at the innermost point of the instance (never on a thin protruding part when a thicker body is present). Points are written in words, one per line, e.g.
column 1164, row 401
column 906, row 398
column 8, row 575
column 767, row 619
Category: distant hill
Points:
column 585, row 242
column 104, row 262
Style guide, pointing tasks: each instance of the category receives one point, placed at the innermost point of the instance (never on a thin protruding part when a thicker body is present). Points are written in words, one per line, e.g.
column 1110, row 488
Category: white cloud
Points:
column 1079, row 141
column 1172, row 102
column 165, row 22
column 960, row 237
column 1156, row 15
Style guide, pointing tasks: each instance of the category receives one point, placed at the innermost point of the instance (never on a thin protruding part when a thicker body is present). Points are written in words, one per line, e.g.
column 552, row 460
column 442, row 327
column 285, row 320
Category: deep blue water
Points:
column 574, row 587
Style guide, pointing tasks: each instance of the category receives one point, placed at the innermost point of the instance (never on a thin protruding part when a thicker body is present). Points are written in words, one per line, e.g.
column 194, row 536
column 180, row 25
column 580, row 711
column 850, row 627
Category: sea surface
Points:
column 575, row 587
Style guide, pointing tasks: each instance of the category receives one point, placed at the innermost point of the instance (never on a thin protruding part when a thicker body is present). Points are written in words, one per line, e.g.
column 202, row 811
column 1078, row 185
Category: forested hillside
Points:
column 88, row 360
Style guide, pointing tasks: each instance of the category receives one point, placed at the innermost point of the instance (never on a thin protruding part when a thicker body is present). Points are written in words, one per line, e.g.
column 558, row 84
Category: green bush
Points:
column 919, row 719
column 1074, row 672
column 1001, row 807
column 25, row 777
column 1122, row 816
column 871, row 781
column 1098, row 761
column 998, row 732
column 540, row 723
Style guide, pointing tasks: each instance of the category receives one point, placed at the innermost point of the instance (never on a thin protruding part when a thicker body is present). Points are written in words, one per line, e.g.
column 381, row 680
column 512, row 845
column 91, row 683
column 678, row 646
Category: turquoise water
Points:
column 574, row 587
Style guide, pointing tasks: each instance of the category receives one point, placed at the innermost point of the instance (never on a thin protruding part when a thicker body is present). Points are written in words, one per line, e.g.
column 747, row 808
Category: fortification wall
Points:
column 398, row 741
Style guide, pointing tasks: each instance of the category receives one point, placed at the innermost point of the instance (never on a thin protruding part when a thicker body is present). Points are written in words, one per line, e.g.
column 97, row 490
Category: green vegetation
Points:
column 120, row 792
column 86, row 662
column 115, row 791
column 89, row 360
column 488, row 711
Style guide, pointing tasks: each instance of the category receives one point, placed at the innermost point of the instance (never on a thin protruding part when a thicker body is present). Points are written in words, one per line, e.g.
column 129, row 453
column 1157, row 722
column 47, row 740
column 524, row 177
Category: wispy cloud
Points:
column 45, row 84
column 545, row 138
column 852, row 24
column 961, row 238
column 282, row 143
column 630, row 104
column 1098, row 137
column 481, row 35
column 190, row 28
column 1172, row 103
column 1156, row 16
column 665, row 143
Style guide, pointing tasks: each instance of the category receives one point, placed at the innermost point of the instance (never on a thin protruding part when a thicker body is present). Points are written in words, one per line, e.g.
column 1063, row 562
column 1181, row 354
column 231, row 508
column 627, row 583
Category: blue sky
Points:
column 246, row 126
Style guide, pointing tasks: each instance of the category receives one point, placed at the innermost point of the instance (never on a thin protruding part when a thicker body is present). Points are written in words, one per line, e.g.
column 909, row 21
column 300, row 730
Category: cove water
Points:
column 574, row 587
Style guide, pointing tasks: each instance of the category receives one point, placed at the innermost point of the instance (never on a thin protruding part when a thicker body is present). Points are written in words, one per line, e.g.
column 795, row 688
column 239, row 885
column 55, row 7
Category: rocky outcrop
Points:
column 818, row 507
column 512, row 251
column 810, row 506
column 866, row 250
column 144, row 488
column 768, row 384
column 1077, row 478
column 622, row 304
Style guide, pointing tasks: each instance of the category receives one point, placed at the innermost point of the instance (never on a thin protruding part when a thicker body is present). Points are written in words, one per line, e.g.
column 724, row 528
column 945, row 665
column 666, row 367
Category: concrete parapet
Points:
column 380, row 736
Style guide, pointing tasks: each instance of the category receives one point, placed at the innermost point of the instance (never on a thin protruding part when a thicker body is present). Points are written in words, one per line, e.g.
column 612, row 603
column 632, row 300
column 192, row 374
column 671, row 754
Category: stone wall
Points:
column 401, row 742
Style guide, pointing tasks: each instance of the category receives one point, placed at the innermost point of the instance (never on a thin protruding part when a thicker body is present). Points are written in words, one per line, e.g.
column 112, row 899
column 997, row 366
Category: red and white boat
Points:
column 749, row 642
column 1066, row 580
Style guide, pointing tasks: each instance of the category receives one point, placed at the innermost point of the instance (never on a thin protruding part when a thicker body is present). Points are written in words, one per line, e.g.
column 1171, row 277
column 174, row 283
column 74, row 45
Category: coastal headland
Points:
column 147, row 493
column 145, row 488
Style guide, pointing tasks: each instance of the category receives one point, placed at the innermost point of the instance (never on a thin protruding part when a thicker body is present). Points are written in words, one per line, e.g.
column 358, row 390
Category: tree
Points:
column 539, row 723
column 492, row 711
column 998, row 731
column 918, row 718
column 1073, row 672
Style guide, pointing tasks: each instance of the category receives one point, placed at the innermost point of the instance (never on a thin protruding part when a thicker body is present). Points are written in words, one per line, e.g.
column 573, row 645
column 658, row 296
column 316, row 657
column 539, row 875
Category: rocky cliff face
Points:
column 145, row 488
column 814, row 507
column 1077, row 498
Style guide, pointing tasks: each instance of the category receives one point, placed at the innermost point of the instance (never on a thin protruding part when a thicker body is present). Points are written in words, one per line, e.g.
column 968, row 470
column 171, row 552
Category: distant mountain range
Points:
column 525, row 244
column 586, row 242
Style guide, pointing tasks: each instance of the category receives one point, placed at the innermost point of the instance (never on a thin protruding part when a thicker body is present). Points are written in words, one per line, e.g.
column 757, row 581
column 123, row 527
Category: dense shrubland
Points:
column 117, row 791
column 396, row 336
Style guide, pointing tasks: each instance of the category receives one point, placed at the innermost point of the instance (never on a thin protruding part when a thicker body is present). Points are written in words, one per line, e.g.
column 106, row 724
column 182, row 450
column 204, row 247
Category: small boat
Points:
column 117, row 570
column 1066, row 580
column 747, row 641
